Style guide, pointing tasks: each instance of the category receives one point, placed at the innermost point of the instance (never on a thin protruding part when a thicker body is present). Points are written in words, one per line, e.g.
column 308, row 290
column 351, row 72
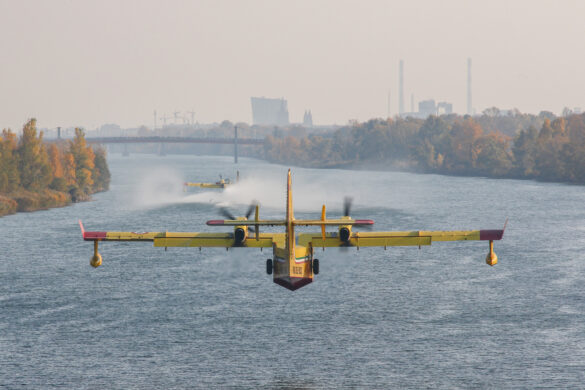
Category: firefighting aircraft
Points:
column 222, row 183
column 293, row 265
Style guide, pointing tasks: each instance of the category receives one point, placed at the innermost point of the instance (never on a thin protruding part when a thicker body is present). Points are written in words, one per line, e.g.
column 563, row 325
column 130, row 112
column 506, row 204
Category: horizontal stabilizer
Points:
column 244, row 222
column 332, row 222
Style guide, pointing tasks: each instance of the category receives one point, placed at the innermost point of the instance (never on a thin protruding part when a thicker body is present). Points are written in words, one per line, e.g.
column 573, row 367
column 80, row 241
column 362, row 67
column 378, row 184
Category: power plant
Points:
column 427, row 107
column 401, row 88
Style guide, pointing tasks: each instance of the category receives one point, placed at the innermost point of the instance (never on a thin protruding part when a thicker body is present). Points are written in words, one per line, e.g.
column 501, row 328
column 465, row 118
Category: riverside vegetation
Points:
column 36, row 175
column 515, row 145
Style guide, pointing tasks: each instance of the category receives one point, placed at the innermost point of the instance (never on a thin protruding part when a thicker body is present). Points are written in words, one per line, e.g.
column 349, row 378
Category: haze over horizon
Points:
column 89, row 63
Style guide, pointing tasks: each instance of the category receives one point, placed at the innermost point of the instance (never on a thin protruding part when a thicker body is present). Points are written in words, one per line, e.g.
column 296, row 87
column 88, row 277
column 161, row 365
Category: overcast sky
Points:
column 86, row 63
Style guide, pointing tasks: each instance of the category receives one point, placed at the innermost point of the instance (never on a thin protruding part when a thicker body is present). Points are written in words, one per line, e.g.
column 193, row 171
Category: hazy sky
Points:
column 86, row 63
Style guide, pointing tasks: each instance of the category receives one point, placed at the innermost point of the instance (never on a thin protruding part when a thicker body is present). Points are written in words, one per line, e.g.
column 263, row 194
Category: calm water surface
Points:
column 435, row 317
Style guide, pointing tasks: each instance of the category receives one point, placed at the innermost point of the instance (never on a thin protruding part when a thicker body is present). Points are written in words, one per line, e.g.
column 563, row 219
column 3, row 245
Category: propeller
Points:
column 228, row 215
column 347, row 201
column 251, row 209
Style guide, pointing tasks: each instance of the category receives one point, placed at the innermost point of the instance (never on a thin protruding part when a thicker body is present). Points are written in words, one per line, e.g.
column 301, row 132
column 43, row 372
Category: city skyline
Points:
column 92, row 63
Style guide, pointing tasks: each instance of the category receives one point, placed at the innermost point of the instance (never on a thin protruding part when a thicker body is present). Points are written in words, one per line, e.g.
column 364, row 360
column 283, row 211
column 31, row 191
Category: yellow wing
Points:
column 385, row 239
column 186, row 239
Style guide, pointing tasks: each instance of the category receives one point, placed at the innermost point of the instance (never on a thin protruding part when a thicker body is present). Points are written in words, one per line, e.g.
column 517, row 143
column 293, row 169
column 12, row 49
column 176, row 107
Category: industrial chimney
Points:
column 469, row 103
column 401, row 88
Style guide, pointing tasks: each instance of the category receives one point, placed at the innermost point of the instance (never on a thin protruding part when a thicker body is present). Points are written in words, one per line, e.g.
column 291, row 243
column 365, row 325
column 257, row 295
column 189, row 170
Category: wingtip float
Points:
column 293, row 264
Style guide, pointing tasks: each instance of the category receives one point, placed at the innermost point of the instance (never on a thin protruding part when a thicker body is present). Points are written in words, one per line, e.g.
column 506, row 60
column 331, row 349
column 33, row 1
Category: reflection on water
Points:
column 434, row 317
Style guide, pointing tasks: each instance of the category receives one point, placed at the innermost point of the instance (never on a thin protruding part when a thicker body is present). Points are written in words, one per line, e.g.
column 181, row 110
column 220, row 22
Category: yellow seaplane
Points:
column 222, row 183
column 293, row 264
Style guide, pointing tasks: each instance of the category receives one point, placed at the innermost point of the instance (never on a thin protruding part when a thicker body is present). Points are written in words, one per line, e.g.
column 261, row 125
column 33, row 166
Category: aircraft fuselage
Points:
column 293, row 269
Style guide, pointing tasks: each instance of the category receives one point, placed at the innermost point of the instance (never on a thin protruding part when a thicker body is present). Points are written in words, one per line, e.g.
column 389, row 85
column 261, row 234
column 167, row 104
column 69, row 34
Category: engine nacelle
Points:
column 240, row 235
column 345, row 233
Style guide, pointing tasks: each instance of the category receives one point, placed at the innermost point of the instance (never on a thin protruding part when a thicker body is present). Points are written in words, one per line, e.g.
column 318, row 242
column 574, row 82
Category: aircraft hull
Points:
column 292, row 283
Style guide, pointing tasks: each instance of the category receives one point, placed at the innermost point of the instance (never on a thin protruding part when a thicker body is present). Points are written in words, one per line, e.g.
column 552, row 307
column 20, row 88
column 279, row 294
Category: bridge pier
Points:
column 125, row 153
column 162, row 150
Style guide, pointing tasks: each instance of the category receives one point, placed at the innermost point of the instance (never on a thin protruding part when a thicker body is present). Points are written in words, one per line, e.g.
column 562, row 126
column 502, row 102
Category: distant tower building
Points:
column 269, row 111
column 412, row 102
column 427, row 108
column 308, row 119
column 469, row 102
column 401, row 88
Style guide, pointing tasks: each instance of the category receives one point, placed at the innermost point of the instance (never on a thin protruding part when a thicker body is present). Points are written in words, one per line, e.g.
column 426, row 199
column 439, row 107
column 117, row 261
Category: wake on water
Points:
column 162, row 187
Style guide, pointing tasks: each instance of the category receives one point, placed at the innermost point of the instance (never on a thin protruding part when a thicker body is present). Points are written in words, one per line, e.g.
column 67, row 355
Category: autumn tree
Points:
column 56, row 161
column 9, row 175
column 33, row 161
column 83, row 158
column 102, row 173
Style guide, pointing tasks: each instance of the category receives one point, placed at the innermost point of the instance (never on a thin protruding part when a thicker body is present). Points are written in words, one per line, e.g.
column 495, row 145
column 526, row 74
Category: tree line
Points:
column 543, row 147
column 36, row 175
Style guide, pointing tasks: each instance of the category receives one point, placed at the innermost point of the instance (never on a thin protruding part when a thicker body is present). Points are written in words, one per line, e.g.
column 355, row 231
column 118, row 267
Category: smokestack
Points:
column 401, row 88
column 469, row 103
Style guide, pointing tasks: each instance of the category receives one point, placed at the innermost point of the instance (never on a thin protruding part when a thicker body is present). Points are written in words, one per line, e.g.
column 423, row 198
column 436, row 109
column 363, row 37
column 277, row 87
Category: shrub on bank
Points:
column 7, row 206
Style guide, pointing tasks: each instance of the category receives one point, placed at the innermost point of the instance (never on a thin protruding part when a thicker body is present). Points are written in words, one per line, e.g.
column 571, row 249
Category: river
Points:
column 404, row 317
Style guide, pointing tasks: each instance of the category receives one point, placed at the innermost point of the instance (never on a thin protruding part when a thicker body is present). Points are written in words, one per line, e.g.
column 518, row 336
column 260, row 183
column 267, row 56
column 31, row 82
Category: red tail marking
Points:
column 363, row 222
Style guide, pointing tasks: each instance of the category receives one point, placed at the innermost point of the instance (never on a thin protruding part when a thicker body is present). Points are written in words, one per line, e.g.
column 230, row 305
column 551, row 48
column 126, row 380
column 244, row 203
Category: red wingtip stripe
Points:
column 94, row 235
column 364, row 222
column 82, row 229
column 215, row 222
column 491, row 234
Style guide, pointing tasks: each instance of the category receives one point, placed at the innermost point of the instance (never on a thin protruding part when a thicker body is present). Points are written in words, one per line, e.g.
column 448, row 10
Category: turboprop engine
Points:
column 240, row 235
column 240, row 232
column 345, row 233
column 345, row 230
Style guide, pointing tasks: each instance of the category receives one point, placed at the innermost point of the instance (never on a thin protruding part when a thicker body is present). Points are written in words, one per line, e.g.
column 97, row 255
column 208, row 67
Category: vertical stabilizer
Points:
column 290, row 234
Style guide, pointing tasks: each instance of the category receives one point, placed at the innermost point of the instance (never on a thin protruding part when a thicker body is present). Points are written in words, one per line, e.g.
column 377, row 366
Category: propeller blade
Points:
column 250, row 210
column 225, row 212
column 347, row 201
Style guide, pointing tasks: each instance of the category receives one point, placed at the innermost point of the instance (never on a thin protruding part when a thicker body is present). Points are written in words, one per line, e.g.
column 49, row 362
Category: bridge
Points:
column 191, row 140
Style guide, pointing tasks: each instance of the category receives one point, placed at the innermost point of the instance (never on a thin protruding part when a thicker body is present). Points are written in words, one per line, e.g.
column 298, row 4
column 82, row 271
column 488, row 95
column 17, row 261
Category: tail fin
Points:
column 289, row 208
column 290, row 233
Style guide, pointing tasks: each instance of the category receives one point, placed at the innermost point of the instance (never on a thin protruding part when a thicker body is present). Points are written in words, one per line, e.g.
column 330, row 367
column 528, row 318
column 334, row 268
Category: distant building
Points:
column 444, row 108
column 308, row 118
column 427, row 108
column 267, row 111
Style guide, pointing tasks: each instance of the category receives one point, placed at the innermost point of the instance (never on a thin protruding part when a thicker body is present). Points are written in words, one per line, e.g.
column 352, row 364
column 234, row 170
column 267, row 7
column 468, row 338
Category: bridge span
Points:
column 190, row 140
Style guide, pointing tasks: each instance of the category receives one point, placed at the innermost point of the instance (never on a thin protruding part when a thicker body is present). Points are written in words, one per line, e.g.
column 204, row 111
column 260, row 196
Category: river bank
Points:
column 28, row 201
column 36, row 175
